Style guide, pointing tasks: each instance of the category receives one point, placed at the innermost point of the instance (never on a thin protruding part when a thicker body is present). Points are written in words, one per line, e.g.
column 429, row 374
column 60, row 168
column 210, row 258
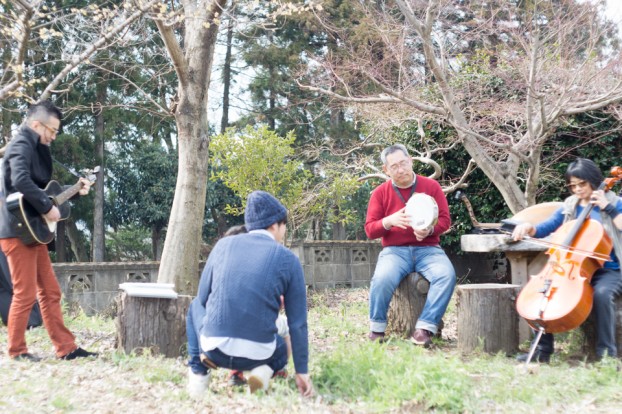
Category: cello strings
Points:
column 580, row 252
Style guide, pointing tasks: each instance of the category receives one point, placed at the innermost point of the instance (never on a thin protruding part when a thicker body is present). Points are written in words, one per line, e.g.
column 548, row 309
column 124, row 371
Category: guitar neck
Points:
column 68, row 193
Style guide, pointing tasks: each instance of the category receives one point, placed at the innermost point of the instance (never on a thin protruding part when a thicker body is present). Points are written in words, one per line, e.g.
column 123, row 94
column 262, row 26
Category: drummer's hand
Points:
column 522, row 230
column 422, row 234
column 598, row 199
column 398, row 219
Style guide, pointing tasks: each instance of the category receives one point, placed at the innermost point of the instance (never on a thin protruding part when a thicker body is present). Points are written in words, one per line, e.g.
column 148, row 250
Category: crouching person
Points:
column 231, row 322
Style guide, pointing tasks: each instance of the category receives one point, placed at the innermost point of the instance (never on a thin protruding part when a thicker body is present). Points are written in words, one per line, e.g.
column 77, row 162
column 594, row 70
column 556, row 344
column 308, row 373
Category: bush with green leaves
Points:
column 256, row 158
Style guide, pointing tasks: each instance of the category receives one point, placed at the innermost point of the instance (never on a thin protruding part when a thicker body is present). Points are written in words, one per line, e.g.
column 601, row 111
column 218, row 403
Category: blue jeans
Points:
column 194, row 319
column 277, row 361
column 395, row 263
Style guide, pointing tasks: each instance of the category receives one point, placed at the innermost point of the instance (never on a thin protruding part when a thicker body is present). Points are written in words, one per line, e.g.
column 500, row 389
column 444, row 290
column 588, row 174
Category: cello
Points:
column 559, row 298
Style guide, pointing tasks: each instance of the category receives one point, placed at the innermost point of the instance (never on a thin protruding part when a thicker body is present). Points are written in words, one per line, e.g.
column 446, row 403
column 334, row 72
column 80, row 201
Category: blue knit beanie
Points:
column 262, row 211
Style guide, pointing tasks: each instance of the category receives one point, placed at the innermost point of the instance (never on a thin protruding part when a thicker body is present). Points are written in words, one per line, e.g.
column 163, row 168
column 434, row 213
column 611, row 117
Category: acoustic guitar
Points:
column 32, row 227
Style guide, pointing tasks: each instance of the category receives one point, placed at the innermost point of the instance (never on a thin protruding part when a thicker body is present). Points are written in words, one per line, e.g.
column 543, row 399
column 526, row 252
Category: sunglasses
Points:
column 578, row 184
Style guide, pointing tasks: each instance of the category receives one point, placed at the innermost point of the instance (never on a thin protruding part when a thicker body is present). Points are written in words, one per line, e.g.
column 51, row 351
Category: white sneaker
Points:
column 259, row 378
column 197, row 384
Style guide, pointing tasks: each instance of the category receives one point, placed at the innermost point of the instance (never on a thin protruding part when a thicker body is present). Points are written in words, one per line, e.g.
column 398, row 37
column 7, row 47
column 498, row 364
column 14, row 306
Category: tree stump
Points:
column 156, row 324
column 487, row 318
column 407, row 303
column 588, row 329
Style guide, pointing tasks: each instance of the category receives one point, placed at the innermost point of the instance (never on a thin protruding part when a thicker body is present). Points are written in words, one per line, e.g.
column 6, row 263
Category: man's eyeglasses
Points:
column 578, row 184
column 54, row 131
column 400, row 165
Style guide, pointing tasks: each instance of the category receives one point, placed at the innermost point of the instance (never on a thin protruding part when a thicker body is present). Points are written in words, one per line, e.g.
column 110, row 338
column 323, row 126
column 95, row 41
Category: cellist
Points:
column 583, row 178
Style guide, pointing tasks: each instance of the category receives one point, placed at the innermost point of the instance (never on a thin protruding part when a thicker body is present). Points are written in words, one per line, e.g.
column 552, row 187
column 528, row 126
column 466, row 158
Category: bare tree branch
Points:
column 25, row 5
column 461, row 182
column 18, row 64
column 350, row 99
column 107, row 38
column 175, row 52
column 504, row 78
column 144, row 93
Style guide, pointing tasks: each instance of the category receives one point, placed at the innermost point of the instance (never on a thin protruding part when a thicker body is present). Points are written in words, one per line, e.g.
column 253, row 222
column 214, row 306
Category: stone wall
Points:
column 326, row 264
column 336, row 263
column 93, row 286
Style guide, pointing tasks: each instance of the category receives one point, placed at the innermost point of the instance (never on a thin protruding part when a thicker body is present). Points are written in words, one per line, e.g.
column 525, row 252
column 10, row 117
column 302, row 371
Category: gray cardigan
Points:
column 569, row 212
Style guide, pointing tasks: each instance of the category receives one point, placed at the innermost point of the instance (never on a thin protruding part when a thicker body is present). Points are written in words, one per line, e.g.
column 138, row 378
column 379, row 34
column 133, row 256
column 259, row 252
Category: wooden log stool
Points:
column 152, row 323
column 407, row 304
column 487, row 318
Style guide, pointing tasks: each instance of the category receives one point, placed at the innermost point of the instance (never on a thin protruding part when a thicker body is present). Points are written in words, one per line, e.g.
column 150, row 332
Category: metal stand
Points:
column 546, row 294
column 534, row 345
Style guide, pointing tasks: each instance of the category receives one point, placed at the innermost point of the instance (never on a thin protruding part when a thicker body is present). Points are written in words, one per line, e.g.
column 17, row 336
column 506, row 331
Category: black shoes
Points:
column 236, row 379
column 78, row 353
column 422, row 337
column 376, row 336
column 27, row 357
column 538, row 356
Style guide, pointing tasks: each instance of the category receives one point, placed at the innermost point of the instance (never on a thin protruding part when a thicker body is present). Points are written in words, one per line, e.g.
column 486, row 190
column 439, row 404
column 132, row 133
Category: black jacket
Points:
column 26, row 168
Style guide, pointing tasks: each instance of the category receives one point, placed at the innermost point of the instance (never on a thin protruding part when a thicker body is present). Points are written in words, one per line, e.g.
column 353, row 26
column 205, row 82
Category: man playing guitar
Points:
column 27, row 168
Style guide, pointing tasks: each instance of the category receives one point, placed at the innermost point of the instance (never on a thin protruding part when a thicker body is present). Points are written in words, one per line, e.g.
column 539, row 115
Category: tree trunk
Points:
column 76, row 241
column 156, row 245
column 219, row 219
column 271, row 121
column 487, row 318
column 193, row 65
column 99, row 243
column 226, row 77
column 407, row 303
column 156, row 324
column 180, row 256
column 59, row 243
column 339, row 230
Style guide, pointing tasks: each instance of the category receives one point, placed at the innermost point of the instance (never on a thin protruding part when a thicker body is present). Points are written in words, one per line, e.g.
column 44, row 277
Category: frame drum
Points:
column 423, row 211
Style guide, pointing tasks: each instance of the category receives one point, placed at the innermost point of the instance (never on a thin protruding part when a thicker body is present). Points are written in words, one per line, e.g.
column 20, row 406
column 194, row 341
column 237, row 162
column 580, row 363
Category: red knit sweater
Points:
column 384, row 202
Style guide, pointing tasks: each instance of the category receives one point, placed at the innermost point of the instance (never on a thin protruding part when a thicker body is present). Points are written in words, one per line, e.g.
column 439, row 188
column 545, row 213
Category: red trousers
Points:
column 33, row 278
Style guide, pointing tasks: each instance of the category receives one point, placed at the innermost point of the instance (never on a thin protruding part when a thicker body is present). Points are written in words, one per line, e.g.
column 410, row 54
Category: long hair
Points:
column 233, row 230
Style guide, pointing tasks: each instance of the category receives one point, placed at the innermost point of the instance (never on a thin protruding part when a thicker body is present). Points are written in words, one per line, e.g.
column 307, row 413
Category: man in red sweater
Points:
column 406, row 250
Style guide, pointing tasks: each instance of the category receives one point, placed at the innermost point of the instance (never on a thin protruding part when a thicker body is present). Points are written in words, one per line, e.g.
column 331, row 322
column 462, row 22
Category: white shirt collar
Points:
column 263, row 231
column 413, row 183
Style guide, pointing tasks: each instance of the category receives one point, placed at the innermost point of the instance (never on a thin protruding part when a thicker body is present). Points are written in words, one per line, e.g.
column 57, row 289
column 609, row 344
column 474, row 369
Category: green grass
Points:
column 384, row 377
column 399, row 376
column 349, row 373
